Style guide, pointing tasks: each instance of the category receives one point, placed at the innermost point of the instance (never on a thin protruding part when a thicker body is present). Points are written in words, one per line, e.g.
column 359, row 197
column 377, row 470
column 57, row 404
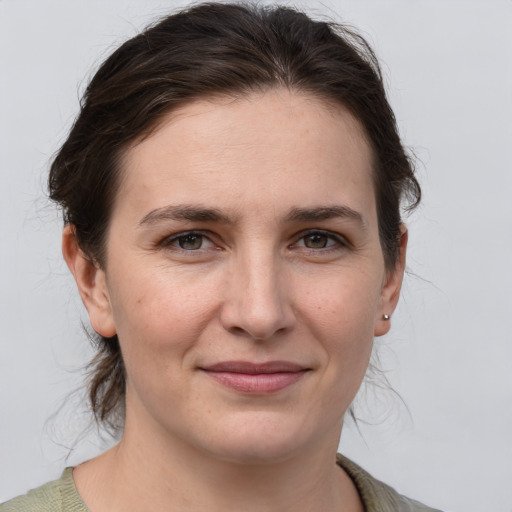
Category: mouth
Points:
column 256, row 378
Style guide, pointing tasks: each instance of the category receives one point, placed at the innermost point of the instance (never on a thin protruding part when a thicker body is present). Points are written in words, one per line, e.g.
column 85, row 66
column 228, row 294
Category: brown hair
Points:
column 212, row 49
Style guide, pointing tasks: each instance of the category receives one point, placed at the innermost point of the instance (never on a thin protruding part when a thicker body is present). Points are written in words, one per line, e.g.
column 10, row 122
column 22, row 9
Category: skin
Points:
column 263, row 279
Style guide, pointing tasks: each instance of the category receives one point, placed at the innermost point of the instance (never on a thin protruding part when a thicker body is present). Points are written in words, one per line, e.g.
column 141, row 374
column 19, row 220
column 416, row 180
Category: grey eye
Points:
column 316, row 241
column 190, row 242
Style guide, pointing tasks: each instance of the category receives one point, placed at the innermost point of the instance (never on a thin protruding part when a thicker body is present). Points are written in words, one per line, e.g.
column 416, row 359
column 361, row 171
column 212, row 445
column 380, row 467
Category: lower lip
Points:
column 261, row 383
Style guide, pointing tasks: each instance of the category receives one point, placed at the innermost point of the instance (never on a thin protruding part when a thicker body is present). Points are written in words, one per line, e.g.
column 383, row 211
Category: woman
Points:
column 231, row 192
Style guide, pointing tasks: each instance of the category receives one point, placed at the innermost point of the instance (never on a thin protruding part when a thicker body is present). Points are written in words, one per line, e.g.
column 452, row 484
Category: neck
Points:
column 171, row 475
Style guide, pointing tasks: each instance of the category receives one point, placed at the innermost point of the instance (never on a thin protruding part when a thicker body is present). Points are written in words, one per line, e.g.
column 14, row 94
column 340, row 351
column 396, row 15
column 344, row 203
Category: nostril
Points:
column 256, row 307
column 257, row 335
column 238, row 331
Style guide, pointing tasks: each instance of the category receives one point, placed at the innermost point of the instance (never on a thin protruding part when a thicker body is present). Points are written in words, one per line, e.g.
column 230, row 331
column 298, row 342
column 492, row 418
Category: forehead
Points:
column 265, row 149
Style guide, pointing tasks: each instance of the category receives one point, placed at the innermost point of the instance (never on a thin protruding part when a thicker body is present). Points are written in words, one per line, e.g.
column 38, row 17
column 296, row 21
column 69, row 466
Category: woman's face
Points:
column 244, row 275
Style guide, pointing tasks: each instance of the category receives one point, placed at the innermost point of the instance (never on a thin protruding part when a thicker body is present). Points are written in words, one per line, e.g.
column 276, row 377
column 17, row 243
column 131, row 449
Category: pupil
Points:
column 316, row 241
column 190, row 242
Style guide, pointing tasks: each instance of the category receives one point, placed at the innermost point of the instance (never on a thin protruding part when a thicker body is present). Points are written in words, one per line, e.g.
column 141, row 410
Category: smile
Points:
column 252, row 378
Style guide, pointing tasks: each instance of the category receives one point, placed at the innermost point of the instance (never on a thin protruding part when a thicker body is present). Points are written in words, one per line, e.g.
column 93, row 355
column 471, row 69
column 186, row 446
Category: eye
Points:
column 191, row 241
column 320, row 240
column 316, row 241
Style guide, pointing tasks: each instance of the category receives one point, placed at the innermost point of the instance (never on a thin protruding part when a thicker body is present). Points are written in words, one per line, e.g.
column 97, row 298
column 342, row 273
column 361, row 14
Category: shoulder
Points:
column 376, row 495
column 57, row 496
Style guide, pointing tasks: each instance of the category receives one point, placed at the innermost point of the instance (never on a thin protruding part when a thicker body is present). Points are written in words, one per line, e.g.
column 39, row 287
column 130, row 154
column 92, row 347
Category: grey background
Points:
column 449, row 354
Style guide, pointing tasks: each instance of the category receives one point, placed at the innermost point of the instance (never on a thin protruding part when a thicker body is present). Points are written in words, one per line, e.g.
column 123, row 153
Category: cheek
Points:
column 158, row 320
column 342, row 315
column 153, row 300
column 343, row 304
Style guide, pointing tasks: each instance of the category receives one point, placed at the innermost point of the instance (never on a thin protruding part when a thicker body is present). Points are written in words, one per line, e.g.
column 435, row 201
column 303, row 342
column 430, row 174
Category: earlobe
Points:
column 390, row 292
column 91, row 283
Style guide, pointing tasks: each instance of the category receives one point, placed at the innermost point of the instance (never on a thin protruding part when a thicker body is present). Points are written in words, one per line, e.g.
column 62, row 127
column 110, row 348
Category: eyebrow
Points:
column 203, row 214
column 185, row 212
column 326, row 213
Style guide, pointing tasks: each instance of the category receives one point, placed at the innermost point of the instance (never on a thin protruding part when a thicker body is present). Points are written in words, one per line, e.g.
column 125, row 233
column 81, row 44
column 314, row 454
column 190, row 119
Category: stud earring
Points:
column 386, row 317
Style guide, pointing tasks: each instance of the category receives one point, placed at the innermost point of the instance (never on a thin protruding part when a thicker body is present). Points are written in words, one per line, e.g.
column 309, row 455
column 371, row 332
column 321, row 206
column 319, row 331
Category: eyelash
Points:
column 338, row 242
column 169, row 241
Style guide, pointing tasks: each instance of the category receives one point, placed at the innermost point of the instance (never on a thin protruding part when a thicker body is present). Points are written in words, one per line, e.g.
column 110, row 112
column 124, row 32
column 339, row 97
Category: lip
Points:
column 256, row 378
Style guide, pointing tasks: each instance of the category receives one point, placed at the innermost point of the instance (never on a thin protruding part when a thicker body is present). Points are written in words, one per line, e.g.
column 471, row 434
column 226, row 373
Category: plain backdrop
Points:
column 447, row 66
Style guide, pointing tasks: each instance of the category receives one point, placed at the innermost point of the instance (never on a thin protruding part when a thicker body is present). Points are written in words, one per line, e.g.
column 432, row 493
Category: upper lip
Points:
column 255, row 368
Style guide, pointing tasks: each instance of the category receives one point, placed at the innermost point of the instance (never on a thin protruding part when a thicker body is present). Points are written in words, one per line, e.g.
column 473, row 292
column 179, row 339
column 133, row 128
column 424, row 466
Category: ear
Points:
column 91, row 283
column 390, row 292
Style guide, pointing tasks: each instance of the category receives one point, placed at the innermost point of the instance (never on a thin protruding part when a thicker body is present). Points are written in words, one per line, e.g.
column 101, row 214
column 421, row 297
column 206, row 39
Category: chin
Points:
column 257, row 451
column 260, row 439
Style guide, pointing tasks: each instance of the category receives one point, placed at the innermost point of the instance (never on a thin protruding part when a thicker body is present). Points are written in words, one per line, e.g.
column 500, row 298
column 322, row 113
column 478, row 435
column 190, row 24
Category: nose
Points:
column 258, row 298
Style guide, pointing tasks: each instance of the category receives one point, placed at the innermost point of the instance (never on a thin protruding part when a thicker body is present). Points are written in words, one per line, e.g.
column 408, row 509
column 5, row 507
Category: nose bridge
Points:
column 258, row 298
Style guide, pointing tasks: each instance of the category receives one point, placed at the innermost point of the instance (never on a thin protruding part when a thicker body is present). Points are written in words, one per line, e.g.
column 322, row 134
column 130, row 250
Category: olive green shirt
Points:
column 62, row 496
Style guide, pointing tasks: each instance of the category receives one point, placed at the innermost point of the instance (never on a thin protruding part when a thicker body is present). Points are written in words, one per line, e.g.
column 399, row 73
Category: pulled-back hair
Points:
column 212, row 49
